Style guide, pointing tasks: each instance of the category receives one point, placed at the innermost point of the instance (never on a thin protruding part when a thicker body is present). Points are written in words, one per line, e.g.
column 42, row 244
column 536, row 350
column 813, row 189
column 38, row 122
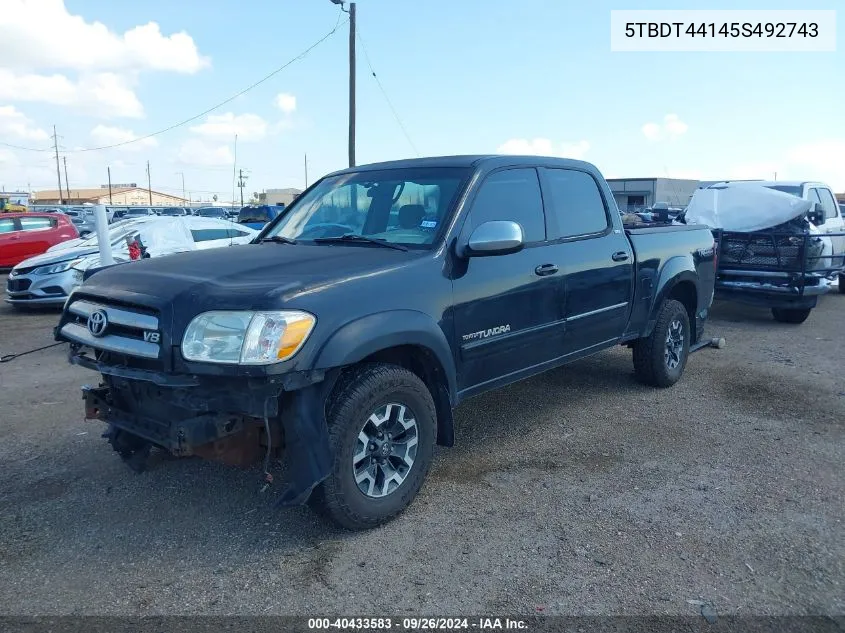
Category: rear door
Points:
column 507, row 308
column 597, row 261
column 10, row 247
column 38, row 233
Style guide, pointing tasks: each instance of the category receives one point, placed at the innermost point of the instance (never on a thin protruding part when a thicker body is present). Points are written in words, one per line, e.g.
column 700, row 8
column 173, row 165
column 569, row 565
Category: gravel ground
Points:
column 577, row 492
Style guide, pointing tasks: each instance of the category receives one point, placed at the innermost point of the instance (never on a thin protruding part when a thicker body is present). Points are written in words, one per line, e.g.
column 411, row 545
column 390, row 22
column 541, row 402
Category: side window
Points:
column 37, row 224
column 576, row 202
column 513, row 194
column 813, row 195
column 231, row 233
column 828, row 203
column 206, row 235
column 7, row 225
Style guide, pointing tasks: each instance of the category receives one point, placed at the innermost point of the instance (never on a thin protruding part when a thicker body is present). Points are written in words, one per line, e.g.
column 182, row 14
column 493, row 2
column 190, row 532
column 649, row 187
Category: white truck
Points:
column 781, row 243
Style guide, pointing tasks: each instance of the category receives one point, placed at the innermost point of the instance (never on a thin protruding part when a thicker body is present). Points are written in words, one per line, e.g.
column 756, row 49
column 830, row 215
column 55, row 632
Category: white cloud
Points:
column 671, row 129
column 107, row 135
column 51, row 56
column 43, row 34
column 16, row 125
column 544, row 147
column 101, row 94
column 200, row 153
column 248, row 127
column 823, row 161
column 8, row 157
column 285, row 102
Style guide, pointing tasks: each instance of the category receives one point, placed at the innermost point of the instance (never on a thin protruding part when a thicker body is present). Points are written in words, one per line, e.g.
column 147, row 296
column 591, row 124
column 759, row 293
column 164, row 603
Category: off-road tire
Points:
column 650, row 365
column 360, row 392
column 791, row 315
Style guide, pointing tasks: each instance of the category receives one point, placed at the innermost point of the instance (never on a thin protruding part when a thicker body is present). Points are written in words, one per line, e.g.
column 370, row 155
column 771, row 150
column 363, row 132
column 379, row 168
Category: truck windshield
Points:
column 400, row 206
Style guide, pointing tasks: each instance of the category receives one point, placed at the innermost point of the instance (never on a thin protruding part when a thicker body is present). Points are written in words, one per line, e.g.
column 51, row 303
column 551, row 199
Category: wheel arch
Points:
column 679, row 281
column 405, row 338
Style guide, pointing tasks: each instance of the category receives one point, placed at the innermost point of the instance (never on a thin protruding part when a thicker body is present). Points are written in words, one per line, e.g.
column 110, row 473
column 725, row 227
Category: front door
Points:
column 833, row 222
column 507, row 310
column 597, row 259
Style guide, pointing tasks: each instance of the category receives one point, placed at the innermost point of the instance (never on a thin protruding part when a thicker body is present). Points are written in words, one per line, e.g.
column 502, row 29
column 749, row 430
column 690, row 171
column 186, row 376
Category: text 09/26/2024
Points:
column 723, row 31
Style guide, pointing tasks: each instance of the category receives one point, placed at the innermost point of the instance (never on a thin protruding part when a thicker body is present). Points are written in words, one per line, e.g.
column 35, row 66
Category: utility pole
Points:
column 58, row 171
column 109, row 170
column 149, row 186
column 242, row 184
column 306, row 171
column 352, row 34
column 182, row 173
column 235, row 171
column 67, row 184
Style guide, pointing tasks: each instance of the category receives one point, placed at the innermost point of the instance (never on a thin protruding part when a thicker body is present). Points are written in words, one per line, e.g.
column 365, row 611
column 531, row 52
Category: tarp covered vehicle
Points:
column 772, row 252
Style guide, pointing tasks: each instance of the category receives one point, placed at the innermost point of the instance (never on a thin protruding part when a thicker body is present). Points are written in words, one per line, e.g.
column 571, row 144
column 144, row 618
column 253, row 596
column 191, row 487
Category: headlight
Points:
column 246, row 338
column 55, row 268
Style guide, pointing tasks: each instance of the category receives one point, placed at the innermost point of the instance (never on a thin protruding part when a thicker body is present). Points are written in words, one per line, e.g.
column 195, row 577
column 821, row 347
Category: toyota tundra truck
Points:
column 344, row 336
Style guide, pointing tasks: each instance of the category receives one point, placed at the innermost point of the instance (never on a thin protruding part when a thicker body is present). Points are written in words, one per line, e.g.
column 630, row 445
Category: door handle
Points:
column 619, row 256
column 545, row 269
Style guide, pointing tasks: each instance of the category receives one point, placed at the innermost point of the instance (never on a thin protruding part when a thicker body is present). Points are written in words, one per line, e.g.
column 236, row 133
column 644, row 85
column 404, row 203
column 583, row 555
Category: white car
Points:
column 49, row 278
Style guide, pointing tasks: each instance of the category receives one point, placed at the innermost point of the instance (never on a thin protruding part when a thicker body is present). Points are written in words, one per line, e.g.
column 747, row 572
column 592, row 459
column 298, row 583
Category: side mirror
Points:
column 816, row 214
column 500, row 237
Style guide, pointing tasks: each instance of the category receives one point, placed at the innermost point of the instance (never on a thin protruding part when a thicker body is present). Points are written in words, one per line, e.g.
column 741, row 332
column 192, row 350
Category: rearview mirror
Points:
column 499, row 237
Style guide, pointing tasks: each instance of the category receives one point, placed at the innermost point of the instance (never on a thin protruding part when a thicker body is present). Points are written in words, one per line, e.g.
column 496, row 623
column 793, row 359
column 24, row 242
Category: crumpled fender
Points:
column 307, row 449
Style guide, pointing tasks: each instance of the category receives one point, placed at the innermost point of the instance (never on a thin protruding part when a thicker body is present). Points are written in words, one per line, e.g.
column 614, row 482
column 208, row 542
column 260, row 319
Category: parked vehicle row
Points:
column 383, row 297
column 48, row 279
column 23, row 235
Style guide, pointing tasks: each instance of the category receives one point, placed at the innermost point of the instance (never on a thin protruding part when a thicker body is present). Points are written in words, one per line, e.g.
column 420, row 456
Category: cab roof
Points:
column 488, row 161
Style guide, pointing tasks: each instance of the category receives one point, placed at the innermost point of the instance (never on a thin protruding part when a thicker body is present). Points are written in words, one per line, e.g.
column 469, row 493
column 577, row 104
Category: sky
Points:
column 498, row 76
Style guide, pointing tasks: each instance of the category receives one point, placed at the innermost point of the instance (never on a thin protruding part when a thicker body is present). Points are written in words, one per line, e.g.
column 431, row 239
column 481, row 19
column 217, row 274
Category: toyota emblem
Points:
column 98, row 322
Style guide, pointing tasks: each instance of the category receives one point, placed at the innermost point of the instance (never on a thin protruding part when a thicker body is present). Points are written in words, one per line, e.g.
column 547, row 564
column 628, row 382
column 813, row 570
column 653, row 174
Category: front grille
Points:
column 130, row 331
column 761, row 252
column 18, row 285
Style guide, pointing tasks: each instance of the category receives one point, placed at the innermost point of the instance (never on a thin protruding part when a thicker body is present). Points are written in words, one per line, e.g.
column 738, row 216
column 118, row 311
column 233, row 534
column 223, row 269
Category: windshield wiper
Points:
column 354, row 237
column 278, row 239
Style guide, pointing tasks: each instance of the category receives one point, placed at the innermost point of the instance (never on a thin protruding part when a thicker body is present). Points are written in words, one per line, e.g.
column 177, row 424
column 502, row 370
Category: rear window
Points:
column 254, row 214
column 791, row 189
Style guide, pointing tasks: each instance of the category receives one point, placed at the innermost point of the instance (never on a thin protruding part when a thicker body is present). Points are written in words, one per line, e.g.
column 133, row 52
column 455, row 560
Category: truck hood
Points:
column 254, row 276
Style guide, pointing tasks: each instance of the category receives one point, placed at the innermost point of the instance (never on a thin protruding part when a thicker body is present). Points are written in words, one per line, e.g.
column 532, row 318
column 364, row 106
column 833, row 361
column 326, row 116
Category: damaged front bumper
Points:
column 233, row 420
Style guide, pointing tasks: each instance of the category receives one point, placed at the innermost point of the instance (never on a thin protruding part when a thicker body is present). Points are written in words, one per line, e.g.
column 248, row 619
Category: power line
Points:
column 384, row 93
column 204, row 112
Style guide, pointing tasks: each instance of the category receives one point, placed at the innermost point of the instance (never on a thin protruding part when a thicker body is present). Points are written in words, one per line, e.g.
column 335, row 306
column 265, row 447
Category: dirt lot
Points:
column 578, row 492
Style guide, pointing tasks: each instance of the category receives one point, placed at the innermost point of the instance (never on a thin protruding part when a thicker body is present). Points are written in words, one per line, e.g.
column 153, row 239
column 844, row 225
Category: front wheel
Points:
column 791, row 315
column 659, row 360
column 382, row 429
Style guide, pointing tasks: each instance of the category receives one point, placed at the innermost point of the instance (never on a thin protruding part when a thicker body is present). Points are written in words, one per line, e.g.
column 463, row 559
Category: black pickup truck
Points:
column 346, row 334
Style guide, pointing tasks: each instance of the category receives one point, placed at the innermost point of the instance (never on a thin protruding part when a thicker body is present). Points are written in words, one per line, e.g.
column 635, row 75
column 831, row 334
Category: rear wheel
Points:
column 842, row 284
column 382, row 429
column 659, row 360
column 791, row 315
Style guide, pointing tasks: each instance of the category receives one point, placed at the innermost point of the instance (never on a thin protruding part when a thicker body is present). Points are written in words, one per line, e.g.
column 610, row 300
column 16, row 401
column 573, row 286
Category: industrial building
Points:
column 278, row 196
column 123, row 195
column 635, row 194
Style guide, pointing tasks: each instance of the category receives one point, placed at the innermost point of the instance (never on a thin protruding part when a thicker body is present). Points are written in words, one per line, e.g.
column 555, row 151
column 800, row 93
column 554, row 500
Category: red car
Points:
column 24, row 235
